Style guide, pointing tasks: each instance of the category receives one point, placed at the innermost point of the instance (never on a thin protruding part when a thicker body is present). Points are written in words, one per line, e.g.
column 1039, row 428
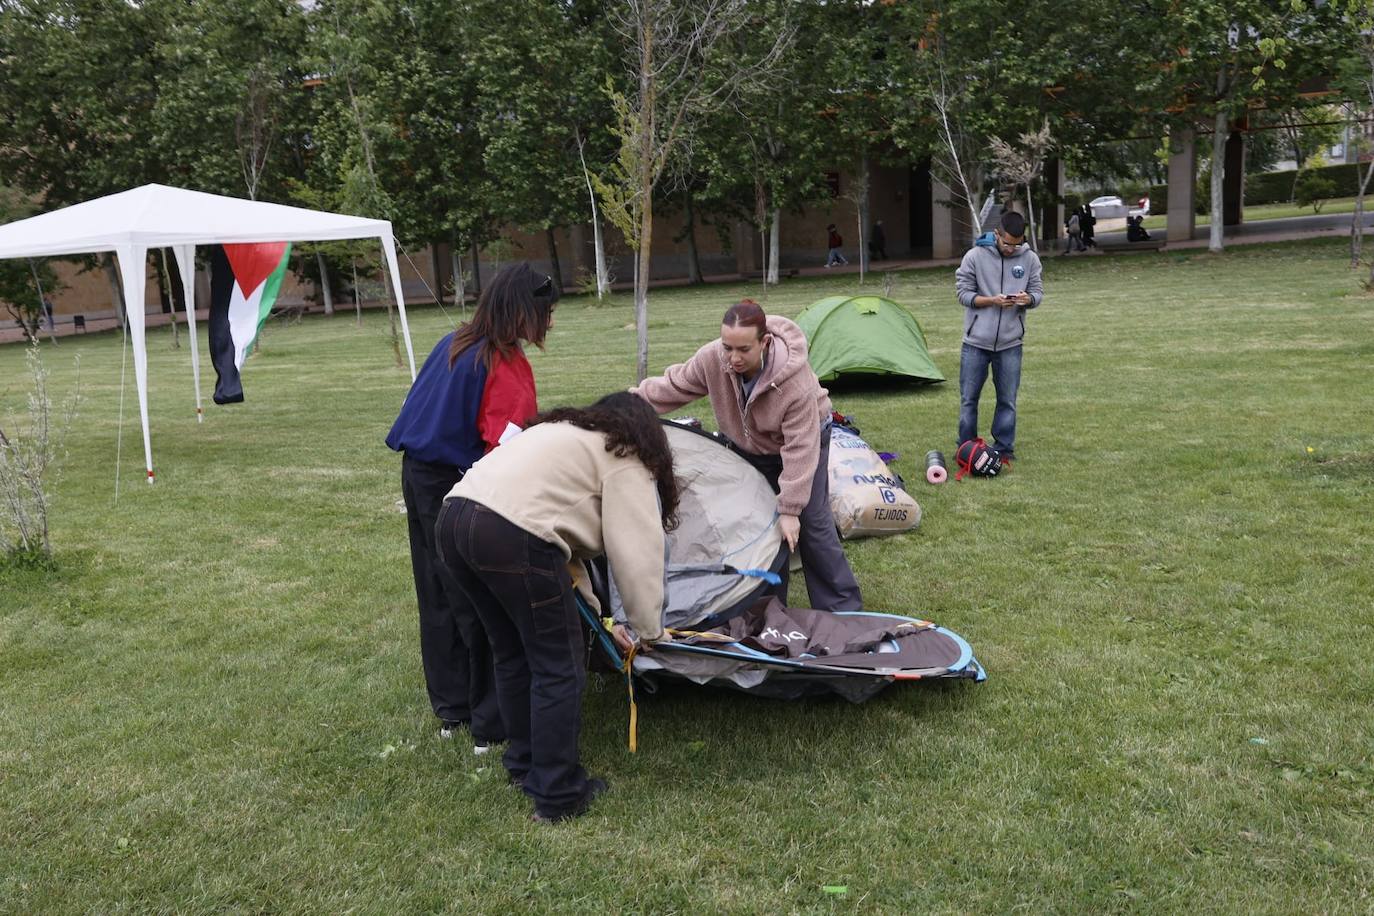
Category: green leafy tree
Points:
column 23, row 283
column 1226, row 57
column 232, row 103
column 395, row 131
column 78, row 88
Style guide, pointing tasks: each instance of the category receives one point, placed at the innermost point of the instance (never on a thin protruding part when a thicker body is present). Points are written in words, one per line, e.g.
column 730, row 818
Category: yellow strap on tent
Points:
column 628, row 668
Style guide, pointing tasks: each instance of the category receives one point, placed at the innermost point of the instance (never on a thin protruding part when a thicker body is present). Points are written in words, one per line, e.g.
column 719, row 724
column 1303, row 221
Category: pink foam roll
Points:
column 936, row 474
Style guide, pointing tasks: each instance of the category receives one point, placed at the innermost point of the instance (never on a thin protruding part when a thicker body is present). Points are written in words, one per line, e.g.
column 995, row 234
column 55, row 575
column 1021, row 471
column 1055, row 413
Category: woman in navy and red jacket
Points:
column 475, row 387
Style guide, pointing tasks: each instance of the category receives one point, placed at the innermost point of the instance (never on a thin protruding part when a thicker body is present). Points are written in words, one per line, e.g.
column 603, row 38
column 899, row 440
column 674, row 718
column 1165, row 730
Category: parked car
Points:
column 1111, row 207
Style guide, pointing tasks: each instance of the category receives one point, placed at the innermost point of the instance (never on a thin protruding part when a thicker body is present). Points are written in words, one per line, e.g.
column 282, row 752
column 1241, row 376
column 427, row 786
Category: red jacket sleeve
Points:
column 508, row 398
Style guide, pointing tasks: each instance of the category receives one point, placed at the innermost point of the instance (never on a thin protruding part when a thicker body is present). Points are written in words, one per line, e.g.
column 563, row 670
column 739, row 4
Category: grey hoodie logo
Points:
column 1018, row 271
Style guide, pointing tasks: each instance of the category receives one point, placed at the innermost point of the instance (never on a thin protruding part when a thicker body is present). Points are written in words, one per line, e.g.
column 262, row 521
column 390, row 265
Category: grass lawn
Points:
column 1260, row 212
column 216, row 702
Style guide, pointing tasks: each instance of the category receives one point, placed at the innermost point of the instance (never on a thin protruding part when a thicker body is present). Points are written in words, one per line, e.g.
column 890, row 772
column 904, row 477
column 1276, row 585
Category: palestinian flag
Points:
column 244, row 282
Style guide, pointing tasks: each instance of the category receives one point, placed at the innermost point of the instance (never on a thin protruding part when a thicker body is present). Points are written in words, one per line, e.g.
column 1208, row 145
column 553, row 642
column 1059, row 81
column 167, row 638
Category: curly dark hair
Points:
column 631, row 428
column 516, row 305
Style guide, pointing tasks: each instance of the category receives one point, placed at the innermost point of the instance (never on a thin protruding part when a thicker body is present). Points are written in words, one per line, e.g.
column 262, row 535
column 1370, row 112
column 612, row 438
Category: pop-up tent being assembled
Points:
column 719, row 559
column 129, row 223
column 865, row 335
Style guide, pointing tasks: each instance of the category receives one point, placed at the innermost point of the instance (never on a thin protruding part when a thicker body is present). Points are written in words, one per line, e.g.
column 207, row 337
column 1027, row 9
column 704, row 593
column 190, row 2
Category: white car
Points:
column 1111, row 207
column 1108, row 208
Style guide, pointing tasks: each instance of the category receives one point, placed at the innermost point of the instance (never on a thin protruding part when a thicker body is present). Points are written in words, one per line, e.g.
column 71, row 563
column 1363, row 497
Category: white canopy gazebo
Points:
column 156, row 216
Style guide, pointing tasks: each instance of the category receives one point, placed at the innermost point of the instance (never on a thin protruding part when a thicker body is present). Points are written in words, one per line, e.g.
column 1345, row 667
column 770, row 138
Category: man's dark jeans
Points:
column 523, row 595
column 974, row 364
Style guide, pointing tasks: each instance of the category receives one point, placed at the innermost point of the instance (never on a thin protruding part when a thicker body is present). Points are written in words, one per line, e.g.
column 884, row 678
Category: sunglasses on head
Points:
column 543, row 289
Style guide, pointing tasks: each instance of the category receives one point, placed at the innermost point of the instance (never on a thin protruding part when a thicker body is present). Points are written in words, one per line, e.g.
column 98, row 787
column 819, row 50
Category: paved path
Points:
column 1265, row 230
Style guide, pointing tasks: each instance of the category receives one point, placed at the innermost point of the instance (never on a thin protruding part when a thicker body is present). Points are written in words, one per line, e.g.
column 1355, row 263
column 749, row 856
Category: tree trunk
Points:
column 557, row 268
column 761, row 232
column 107, row 263
column 603, row 276
column 603, row 282
column 476, row 269
column 166, row 275
column 1357, row 221
column 460, row 292
column 437, row 272
column 357, row 295
column 646, row 129
column 42, row 305
column 861, row 208
column 1357, row 231
column 391, row 319
column 1214, row 233
column 646, row 238
column 1030, row 219
column 325, row 292
column 693, row 259
column 774, row 246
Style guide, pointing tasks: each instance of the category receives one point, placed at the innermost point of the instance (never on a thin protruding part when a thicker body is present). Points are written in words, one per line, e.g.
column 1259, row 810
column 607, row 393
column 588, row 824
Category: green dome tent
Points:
column 865, row 335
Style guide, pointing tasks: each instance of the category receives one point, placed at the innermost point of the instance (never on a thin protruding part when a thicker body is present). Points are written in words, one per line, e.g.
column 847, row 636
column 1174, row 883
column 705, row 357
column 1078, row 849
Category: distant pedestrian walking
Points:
column 1086, row 222
column 833, row 241
column 1074, row 227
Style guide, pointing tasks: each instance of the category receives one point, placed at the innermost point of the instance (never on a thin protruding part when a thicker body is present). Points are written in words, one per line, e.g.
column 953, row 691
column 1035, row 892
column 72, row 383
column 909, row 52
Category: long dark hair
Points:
column 631, row 428
column 516, row 305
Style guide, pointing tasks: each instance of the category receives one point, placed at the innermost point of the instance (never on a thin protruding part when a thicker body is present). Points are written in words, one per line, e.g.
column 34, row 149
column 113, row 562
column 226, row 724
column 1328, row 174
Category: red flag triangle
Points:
column 253, row 263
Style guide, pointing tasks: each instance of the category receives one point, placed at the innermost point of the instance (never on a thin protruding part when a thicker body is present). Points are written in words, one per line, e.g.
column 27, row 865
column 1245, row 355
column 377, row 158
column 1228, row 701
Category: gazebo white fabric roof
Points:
column 156, row 216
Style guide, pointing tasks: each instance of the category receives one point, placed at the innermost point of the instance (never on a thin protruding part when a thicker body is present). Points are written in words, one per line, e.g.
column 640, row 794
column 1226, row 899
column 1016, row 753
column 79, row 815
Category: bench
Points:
column 1150, row 245
column 759, row 274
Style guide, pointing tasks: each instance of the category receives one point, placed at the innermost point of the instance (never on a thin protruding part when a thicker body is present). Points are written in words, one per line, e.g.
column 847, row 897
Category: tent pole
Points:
column 133, row 271
column 186, row 264
column 389, row 249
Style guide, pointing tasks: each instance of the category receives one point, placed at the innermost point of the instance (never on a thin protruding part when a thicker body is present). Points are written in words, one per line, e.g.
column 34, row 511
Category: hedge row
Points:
column 1277, row 187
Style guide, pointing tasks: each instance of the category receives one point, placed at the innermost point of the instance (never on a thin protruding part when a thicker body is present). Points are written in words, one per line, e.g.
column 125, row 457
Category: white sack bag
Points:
column 866, row 499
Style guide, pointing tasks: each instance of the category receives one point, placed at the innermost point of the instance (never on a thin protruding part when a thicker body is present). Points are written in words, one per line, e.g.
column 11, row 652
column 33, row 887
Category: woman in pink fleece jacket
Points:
column 770, row 404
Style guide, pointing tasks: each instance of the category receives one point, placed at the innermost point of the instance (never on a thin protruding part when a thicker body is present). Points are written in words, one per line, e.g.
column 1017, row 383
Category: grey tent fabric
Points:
column 727, row 521
column 727, row 634
column 789, row 632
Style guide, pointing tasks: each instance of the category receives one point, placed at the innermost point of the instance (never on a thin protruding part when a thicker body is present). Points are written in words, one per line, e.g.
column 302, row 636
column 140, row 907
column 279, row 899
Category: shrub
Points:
column 29, row 455
column 1313, row 189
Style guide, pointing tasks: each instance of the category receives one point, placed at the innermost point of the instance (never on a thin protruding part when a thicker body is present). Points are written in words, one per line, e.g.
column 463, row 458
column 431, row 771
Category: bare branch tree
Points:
column 672, row 45
column 255, row 127
column 1023, row 163
column 954, row 160
column 603, row 279
column 858, row 195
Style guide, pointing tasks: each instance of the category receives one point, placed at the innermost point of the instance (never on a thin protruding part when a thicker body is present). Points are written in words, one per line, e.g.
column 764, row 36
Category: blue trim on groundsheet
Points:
column 737, row 650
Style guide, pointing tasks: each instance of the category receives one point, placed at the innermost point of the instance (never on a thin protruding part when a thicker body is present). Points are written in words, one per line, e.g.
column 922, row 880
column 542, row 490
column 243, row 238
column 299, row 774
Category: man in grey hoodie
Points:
column 998, row 280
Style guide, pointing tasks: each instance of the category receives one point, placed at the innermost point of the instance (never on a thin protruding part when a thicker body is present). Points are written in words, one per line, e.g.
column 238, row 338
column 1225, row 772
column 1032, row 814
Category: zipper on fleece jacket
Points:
column 1002, row 282
column 748, row 401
